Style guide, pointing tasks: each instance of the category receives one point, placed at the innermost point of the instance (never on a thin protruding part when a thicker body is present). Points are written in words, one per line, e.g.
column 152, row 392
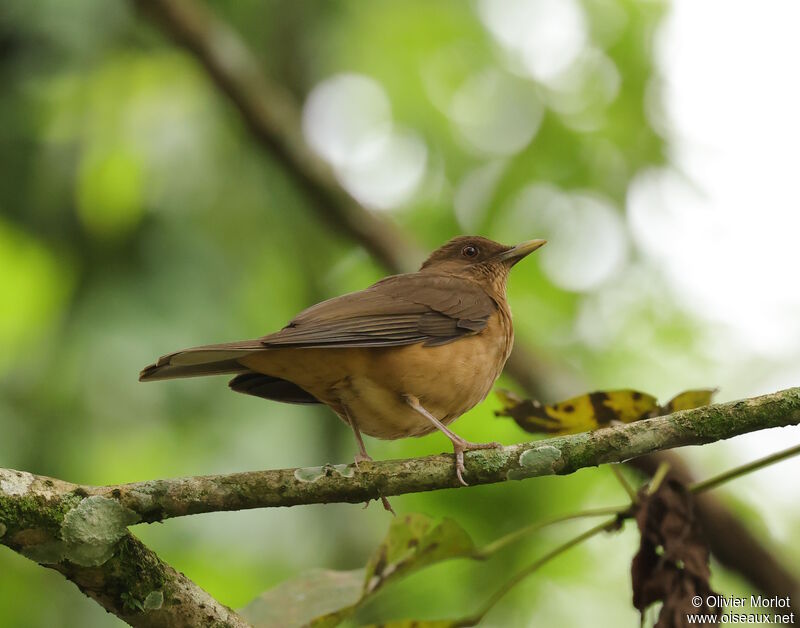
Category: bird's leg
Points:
column 459, row 444
column 363, row 456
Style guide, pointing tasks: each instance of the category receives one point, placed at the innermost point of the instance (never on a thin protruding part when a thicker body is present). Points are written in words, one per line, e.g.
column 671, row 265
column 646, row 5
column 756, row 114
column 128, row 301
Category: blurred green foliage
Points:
column 138, row 217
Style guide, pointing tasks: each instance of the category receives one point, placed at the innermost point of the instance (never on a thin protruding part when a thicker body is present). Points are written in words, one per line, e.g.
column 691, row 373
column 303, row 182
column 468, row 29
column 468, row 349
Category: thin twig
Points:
column 624, row 482
column 504, row 541
column 732, row 474
column 658, row 477
column 527, row 571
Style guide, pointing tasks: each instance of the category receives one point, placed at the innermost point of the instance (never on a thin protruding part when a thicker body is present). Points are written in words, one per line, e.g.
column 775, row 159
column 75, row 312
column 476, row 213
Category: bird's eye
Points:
column 469, row 251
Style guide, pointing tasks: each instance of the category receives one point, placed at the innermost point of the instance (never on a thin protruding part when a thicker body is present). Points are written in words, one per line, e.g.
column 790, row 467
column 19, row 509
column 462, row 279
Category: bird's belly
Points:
column 370, row 383
column 448, row 380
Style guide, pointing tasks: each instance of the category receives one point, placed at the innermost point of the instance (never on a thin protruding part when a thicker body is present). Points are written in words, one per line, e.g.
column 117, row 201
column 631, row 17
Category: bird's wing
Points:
column 400, row 310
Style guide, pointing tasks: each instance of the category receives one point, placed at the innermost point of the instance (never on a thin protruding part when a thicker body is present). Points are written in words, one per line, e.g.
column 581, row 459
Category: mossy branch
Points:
column 161, row 499
column 156, row 500
column 86, row 538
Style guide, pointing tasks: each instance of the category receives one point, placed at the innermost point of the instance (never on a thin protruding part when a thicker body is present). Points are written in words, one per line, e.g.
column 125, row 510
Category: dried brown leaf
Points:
column 672, row 563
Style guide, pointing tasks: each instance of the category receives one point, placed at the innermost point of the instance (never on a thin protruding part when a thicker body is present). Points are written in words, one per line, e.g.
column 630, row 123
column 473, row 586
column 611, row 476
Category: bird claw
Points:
column 460, row 447
column 359, row 457
column 386, row 505
column 365, row 457
column 460, row 465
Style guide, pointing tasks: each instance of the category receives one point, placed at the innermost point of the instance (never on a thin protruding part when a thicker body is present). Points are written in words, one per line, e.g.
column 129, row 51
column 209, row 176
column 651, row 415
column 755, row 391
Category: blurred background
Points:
column 654, row 145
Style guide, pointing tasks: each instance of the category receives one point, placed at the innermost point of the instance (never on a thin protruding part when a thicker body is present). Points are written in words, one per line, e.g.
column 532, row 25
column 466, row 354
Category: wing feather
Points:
column 399, row 310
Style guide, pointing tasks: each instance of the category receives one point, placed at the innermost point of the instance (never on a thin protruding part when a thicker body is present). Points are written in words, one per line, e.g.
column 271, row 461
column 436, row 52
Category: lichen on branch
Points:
column 85, row 537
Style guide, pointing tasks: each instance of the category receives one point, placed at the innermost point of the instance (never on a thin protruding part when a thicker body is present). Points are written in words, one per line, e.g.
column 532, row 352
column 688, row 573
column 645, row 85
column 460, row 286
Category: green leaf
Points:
column 323, row 599
column 297, row 601
column 414, row 542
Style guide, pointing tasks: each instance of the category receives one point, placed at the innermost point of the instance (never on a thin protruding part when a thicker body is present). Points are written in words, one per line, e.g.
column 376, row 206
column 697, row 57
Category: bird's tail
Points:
column 197, row 361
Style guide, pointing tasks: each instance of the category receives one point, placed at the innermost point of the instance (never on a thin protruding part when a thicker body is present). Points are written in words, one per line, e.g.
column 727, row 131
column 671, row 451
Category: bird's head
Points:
column 479, row 258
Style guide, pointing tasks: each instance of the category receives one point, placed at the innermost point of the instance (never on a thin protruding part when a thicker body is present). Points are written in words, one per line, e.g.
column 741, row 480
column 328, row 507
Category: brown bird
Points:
column 405, row 357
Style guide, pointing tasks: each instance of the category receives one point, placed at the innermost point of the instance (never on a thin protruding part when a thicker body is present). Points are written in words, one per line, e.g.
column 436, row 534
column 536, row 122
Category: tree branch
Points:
column 60, row 526
column 163, row 499
column 274, row 121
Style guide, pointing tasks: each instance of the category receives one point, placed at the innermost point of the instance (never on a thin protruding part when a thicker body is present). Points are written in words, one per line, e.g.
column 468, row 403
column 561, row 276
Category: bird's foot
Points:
column 361, row 457
column 460, row 446
column 386, row 505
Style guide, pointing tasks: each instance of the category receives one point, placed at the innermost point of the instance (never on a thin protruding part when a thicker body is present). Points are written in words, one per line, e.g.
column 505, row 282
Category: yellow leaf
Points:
column 629, row 405
column 594, row 410
column 690, row 399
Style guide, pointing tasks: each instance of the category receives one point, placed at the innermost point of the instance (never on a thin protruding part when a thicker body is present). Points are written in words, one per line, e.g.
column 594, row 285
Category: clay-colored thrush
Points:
column 404, row 357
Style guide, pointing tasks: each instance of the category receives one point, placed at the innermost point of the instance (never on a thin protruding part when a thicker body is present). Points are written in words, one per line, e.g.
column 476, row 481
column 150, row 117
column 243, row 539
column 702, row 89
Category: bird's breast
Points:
column 448, row 380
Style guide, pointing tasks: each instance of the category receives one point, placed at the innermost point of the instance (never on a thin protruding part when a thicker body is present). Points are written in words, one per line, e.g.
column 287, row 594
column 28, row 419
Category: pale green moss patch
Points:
column 91, row 530
column 89, row 533
column 540, row 460
column 154, row 600
column 312, row 474
column 490, row 460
